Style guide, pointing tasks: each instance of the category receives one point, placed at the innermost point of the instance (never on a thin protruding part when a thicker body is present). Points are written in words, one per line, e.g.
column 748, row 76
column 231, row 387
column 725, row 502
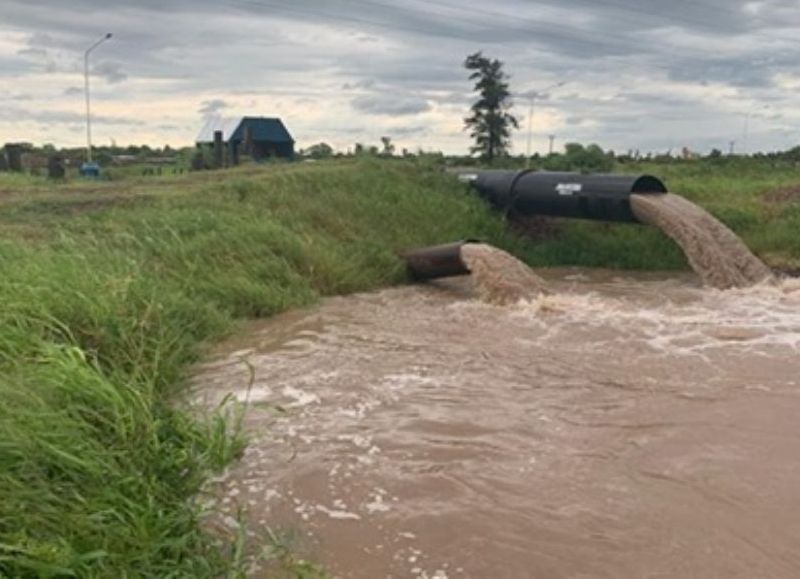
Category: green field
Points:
column 111, row 289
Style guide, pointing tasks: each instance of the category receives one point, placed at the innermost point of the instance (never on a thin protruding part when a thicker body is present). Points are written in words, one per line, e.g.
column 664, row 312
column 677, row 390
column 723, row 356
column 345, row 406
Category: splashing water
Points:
column 500, row 278
column 715, row 252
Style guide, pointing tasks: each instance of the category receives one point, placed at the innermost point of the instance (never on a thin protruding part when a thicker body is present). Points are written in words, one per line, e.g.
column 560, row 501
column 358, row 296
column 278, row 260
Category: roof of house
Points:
column 213, row 124
column 264, row 129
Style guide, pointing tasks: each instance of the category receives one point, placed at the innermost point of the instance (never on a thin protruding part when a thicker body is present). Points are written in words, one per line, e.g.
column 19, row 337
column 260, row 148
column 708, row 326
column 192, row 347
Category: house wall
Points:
column 266, row 149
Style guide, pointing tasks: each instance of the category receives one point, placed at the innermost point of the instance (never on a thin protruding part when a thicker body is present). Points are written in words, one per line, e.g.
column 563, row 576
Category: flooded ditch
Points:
column 620, row 425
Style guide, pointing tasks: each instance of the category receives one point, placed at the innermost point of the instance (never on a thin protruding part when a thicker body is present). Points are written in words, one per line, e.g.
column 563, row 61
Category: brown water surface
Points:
column 622, row 427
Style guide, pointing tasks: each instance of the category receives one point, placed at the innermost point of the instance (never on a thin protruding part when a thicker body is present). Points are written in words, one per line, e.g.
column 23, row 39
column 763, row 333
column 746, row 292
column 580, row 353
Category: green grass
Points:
column 109, row 292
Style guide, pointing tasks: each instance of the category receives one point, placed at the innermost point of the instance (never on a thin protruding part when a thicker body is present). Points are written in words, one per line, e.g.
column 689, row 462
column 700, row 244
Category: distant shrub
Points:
column 576, row 157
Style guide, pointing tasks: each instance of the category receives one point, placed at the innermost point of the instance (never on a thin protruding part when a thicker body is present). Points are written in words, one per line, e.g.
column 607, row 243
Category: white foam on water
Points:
column 300, row 397
column 400, row 381
column 376, row 505
column 359, row 410
column 358, row 440
column 338, row 514
column 755, row 317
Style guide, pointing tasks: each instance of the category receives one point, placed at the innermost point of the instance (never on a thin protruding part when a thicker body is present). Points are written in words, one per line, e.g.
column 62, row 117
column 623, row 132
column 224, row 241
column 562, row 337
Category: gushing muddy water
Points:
column 498, row 277
column 718, row 256
column 622, row 426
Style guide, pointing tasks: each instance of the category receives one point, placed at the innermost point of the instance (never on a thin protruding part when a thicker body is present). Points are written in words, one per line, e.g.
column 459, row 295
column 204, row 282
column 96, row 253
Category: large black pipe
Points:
column 599, row 197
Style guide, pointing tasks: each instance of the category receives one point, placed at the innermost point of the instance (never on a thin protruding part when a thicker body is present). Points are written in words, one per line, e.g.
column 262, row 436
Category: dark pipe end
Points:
column 648, row 184
column 438, row 261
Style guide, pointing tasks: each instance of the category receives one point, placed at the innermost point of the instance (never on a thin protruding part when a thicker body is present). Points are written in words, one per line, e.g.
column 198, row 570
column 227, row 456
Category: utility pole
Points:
column 532, row 95
column 732, row 145
column 552, row 139
column 88, row 101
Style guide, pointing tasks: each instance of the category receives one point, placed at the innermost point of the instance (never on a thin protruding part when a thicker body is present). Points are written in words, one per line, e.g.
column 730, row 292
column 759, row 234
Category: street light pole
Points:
column 88, row 105
column 532, row 96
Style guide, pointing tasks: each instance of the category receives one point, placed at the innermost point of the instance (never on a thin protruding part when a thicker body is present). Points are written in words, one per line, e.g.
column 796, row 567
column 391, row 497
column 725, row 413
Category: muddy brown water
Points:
column 716, row 253
column 622, row 426
column 498, row 277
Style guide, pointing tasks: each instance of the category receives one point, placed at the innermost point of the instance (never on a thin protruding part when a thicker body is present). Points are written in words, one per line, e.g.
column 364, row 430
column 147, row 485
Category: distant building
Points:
column 259, row 137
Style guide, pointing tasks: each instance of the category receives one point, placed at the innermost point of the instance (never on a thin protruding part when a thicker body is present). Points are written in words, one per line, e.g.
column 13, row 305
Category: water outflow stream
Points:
column 498, row 277
column 621, row 427
column 715, row 252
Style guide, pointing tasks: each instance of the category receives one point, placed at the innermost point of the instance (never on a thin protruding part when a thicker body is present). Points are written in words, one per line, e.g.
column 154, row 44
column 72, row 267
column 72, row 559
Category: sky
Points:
column 647, row 75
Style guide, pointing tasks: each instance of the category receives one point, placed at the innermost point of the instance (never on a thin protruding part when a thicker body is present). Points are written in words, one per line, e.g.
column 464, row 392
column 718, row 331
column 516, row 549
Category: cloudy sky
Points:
column 640, row 74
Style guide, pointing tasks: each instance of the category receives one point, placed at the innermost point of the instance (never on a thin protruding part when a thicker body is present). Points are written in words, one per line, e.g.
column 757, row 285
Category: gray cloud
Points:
column 361, row 84
column 390, row 105
column 110, row 71
column 36, row 52
column 212, row 107
column 48, row 117
column 400, row 132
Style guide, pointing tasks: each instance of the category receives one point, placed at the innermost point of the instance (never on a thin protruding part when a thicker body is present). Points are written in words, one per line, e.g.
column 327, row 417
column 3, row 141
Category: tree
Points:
column 576, row 157
column 319, row 151
column 388, row 147
column 491, row 122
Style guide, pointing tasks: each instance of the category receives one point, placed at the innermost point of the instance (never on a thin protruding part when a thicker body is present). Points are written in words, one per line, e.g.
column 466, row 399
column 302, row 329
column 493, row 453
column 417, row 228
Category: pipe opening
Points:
column 648, row 184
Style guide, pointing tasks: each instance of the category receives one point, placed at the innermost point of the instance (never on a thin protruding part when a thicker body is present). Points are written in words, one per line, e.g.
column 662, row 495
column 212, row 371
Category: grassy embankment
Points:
column 109, row 290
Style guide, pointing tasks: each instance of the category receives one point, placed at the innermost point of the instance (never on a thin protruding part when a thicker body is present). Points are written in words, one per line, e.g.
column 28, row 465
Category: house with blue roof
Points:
column 259, row 137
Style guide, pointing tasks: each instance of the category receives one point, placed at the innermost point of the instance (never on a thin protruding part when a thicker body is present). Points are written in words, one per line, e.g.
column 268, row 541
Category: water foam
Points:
column 748, row 318
column 499, row 277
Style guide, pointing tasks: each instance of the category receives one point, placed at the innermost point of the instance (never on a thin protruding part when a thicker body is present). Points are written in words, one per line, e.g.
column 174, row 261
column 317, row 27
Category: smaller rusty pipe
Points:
column 436, row 261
